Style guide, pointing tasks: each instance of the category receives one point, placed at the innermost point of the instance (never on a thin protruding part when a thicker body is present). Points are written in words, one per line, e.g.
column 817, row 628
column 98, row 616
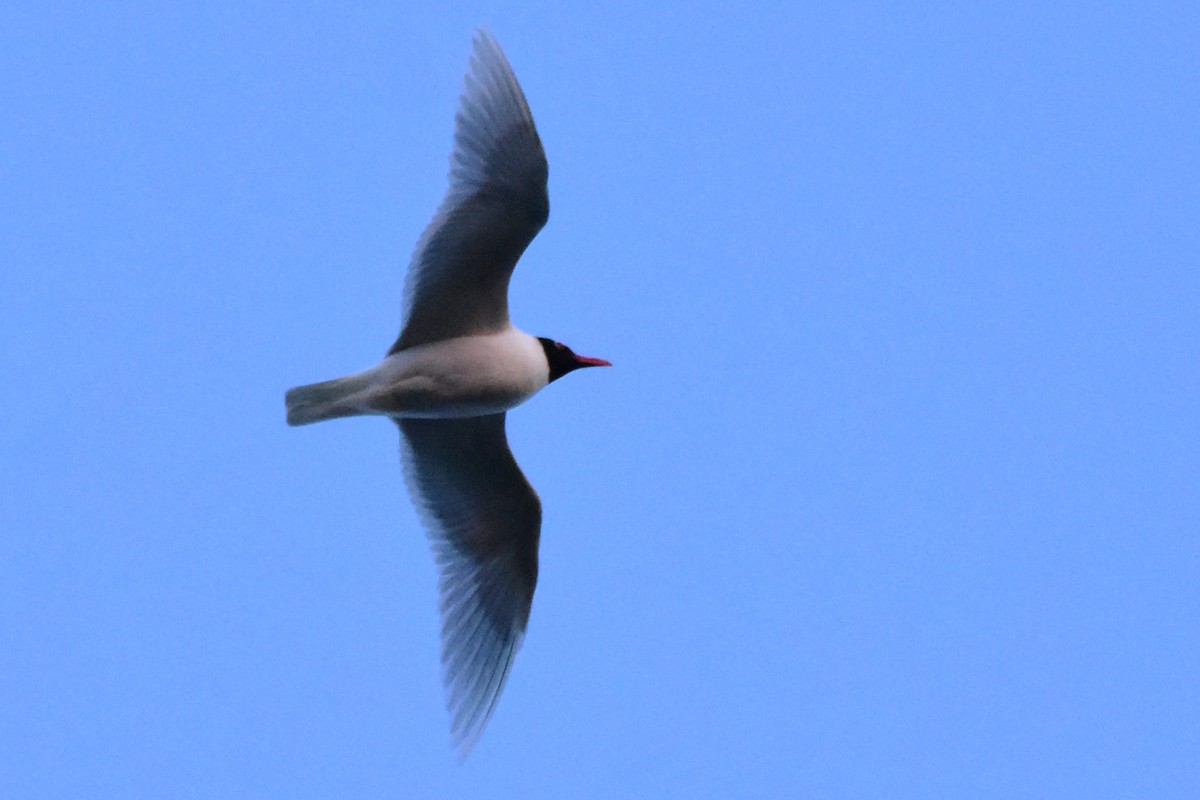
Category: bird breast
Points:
column 464, row 377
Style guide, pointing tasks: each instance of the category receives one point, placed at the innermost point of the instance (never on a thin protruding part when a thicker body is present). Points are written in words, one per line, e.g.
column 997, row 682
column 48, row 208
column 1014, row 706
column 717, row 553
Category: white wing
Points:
column 484, row 520
column 457, row 283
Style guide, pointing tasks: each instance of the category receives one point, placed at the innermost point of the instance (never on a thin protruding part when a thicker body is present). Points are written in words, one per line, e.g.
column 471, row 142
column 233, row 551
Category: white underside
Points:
column 464, row 377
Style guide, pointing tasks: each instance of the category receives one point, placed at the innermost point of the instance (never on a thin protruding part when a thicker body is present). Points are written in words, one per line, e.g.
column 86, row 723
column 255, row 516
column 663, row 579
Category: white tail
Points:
column 321, row 401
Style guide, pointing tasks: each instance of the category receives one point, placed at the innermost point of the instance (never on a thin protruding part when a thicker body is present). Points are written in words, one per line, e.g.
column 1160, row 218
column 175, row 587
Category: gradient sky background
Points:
column 893, row 491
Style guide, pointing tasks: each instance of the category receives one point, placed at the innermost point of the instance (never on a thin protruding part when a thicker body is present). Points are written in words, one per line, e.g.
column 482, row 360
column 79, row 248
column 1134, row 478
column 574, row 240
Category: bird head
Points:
column 563, row 359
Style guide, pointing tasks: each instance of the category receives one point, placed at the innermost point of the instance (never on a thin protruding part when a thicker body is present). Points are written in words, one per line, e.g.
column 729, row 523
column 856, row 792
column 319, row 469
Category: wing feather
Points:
column 457, row 282
column 484, row 521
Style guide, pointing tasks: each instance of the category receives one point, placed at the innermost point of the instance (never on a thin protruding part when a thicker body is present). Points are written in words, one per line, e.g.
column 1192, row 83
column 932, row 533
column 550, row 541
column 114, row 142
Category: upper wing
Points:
column 484, row 521
column 457, row 282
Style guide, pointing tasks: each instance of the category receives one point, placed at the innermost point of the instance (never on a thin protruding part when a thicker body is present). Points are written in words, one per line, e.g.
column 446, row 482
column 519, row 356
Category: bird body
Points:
column 456, row 369
column 467, row 376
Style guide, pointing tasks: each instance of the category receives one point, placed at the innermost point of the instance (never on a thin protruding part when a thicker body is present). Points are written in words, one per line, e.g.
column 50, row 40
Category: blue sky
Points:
column 893, row 491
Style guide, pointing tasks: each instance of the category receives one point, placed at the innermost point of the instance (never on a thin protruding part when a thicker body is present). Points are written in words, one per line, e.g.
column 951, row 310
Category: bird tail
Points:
column 326, row 400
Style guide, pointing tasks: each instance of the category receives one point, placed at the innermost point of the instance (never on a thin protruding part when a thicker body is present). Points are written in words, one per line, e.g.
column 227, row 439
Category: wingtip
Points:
column 483, row 34
column 467, row 723
column 486, row 51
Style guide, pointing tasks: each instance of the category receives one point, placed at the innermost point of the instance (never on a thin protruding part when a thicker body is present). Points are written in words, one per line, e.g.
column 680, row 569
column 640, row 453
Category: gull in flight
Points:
column 456, row 369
